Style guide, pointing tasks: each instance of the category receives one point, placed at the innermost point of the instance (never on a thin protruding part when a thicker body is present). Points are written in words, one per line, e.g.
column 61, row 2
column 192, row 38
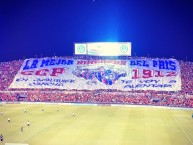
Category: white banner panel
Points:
column 125, row 75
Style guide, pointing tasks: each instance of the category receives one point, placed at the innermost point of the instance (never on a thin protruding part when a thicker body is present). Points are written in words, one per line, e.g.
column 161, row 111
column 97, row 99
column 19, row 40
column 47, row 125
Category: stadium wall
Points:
column 101, row 104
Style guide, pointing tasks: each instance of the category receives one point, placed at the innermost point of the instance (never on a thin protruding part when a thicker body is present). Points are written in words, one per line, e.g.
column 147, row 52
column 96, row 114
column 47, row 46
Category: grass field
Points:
column 95, row 125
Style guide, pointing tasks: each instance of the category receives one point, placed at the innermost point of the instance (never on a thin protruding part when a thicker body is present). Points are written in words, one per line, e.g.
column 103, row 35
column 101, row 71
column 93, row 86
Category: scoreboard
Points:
column 103, row 49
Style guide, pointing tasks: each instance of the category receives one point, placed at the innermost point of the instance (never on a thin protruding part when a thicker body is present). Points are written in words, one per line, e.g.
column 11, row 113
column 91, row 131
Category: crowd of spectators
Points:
column 183, row 98
column 162, row 99
column 8, row 70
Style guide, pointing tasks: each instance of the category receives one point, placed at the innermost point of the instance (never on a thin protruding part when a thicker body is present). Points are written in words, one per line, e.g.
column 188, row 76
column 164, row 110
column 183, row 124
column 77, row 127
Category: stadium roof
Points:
column 161, row 28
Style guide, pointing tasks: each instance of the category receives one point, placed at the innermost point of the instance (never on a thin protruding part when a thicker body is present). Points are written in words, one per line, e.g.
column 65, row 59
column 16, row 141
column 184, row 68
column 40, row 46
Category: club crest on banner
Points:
column 107, row 76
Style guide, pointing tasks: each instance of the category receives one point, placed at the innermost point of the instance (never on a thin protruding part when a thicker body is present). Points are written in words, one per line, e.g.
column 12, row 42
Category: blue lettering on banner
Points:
column 149, row 81
column 54, row 80
column 139, row 63
column 50, row 62
column 45, row 84
column 21, row 79
column 164, row 64
column 161, row 64
column 172, row 65
column 141, row 81
column 148, row 86
column 50, row 82
column 126, row 81
column 173, row 81
column 33, row 65
column 46, row 62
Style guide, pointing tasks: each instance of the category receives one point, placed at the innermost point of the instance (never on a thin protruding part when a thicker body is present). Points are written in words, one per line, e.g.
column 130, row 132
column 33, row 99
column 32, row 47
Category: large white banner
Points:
column 125, row 75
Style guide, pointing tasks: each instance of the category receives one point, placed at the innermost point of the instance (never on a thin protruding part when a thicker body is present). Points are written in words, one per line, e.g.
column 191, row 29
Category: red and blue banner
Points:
column 81, row 74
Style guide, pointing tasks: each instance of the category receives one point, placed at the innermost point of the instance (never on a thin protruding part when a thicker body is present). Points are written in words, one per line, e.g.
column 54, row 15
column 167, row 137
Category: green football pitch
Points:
column 95, row 125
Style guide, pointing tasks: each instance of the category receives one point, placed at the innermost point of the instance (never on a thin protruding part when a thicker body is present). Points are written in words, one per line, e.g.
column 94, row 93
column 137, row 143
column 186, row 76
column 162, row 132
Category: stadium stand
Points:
column 183, row 98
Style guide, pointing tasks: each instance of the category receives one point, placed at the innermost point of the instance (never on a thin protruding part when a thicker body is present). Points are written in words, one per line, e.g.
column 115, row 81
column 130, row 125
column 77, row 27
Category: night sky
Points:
column 35, row 28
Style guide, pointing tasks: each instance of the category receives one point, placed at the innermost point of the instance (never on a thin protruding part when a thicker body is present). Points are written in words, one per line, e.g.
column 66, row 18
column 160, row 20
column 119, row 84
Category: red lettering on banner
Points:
column 57, row 71
column 147, row 73
column 136, row 74
column 27, row 72
column 85, row 62
column 81, row 62
column 170, row 74
column 159, row 73
column 123, row 62
column 42, row 72
column 151, row 73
